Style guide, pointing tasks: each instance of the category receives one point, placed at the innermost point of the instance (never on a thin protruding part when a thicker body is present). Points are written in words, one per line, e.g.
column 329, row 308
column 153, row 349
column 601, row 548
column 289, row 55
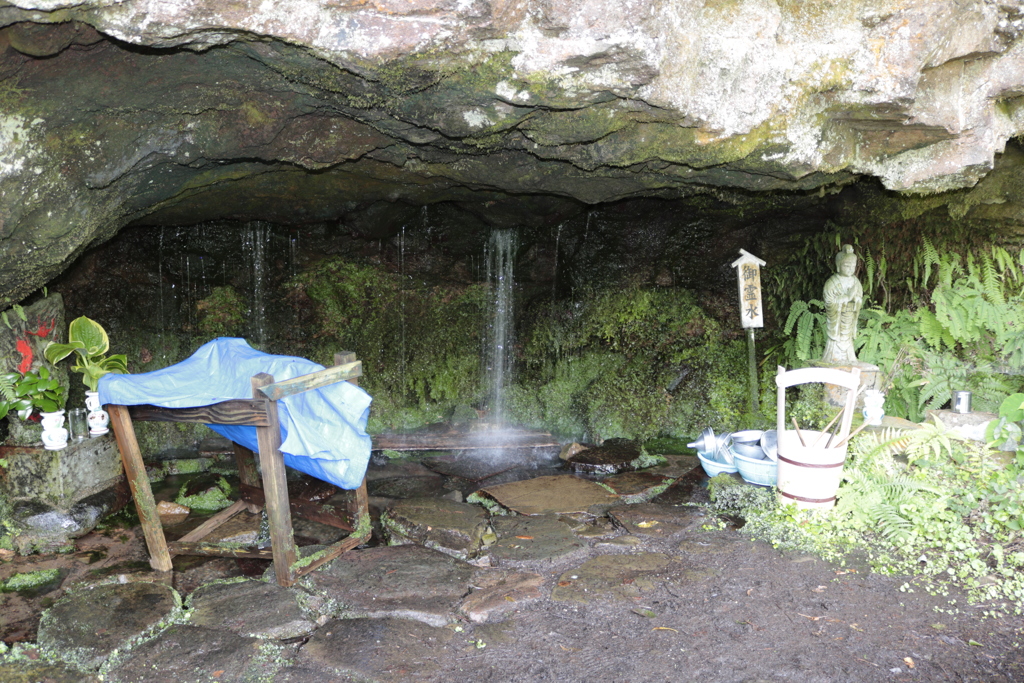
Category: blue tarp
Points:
column 323, row 432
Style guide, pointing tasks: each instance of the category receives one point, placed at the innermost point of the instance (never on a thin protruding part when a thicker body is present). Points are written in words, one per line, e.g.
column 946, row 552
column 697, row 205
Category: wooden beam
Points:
column 213, row 522
column 426, row 441
column 275, row 488
column 215, row 550
column 325, row 377
column 338, row 548
column 238, row 412
column 135, row 472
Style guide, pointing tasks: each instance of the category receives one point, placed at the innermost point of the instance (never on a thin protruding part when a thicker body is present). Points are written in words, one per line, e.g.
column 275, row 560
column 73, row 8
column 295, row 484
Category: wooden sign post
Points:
column 748, row 274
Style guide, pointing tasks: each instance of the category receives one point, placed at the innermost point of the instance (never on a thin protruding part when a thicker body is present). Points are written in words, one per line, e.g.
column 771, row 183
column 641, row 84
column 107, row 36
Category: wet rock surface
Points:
column 457, row 529
column 551, row 495
column 193, row 653
column 628, row 603
column 653, row 519
column 539, row 539
column 254, row 609
column 637, row 487
column 612, row 577
column 496, row 592
column 93, row 622
column 408, row 581
column 611, row 457
column 36, row 672
column 376, row 649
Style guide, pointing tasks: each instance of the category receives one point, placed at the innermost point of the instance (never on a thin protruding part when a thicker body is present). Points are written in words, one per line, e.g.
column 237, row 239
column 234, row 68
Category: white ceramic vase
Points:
column 55, row 437
column 98, row 418
column 874, row 411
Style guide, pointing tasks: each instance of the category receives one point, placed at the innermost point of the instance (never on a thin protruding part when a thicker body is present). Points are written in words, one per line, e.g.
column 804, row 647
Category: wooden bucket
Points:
column 810, row 473
column 809, row 476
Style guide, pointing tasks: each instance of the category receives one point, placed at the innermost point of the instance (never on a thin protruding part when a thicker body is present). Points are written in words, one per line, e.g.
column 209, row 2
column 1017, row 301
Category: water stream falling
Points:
column 501, row 251
column 254, row 243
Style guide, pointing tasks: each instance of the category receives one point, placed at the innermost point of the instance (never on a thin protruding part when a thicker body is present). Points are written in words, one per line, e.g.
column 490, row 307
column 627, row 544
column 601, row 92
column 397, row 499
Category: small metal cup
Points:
column 961, row 401
column 78, row 422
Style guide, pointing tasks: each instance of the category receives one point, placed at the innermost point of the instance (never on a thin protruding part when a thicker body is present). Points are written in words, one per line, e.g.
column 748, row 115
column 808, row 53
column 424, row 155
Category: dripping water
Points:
column 401, row 313
column 254, row 240
column 160, row 286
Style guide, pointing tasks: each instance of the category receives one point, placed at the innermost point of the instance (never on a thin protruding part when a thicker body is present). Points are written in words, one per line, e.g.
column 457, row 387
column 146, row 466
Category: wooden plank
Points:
column 213, row 522
column 248, row 474
column 338, row 548
column 135, row 472
column 240, row 412
column 315, row 380
column 343, row 357
column 303, row 508
column 275, row 488
column 214, row 550
column 426, row 441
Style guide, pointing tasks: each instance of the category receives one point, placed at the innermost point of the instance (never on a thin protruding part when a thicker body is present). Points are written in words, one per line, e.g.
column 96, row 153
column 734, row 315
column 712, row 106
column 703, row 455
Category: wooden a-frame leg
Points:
column 275, row 488
column 247, row 473
column 135, row 471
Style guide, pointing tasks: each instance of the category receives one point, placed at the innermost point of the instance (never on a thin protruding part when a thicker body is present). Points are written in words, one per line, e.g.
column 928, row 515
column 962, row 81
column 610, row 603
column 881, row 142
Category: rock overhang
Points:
column 151, row 111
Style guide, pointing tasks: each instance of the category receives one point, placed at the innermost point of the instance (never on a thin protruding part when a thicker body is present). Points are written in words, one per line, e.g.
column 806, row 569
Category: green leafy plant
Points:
column 34, row 390
column 89, row 342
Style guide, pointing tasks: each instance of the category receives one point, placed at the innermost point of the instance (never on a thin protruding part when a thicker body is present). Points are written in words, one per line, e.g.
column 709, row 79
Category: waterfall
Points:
column 254, row 243
column 498, row 351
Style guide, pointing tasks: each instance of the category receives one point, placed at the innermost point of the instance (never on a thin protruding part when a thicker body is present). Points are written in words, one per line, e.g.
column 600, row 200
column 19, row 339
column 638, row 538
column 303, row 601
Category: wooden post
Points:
column 247, row 472
column 135, row 471
column 359, row 503
column 275, row 488
column 748, row 276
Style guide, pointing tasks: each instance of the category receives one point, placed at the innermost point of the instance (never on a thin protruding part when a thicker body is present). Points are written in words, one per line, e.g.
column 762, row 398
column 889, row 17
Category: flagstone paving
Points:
column 631, row 593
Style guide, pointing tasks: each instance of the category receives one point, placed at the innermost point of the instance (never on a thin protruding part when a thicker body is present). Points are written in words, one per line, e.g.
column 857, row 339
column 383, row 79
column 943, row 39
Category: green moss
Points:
column 493, row 506
column 222, row 314
column 28, row 581
column 211, row 500
column 419, row 344
column 605, row 368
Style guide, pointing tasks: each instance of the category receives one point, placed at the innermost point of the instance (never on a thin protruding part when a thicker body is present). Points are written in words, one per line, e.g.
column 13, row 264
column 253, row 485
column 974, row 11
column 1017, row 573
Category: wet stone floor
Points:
column 599, row 577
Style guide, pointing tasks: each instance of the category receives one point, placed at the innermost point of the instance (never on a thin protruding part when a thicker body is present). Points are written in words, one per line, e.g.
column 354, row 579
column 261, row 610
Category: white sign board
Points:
column 748, row 273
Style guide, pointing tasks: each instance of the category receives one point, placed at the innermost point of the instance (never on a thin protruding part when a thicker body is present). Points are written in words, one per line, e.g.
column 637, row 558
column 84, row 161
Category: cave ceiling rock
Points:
column 299, row 110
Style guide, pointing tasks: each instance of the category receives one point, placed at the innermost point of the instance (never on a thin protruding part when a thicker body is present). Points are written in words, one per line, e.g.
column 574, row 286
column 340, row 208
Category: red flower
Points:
column 26, row 356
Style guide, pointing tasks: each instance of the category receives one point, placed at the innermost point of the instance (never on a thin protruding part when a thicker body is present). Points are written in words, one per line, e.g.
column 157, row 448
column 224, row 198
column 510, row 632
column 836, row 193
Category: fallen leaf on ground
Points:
column 975, row 643
column 808, row 616
column 664, row 628
column 909, row 662
column 819, row 589
column 647, row 525
column 644, row 612
column 525, row 538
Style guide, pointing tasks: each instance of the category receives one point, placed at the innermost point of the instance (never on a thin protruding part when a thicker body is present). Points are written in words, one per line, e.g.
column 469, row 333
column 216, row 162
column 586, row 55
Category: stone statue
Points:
column 843, row 299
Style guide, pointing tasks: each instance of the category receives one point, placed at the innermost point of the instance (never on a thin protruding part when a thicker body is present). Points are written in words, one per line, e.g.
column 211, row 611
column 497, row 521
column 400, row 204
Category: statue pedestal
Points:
column 835, row 395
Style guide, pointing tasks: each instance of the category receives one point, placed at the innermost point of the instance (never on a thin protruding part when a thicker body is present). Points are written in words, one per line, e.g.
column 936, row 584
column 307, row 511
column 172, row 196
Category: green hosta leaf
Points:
column 91, row 334
column 118, row 364
column 55, row 352
column 1012, row 408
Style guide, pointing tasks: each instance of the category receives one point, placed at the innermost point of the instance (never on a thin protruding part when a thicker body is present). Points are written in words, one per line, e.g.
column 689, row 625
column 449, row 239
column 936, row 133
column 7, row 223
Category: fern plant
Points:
column 807, row 318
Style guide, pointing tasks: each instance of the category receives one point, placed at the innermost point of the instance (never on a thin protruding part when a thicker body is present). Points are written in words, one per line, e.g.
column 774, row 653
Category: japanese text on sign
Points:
column 749, row 273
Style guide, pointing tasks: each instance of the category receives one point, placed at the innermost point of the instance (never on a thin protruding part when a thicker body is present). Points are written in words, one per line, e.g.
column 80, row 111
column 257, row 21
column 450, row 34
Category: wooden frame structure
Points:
column 260, row 412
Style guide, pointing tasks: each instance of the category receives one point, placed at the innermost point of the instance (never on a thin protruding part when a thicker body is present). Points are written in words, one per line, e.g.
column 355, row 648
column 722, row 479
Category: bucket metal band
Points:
column 807, row 464
column 802, row 499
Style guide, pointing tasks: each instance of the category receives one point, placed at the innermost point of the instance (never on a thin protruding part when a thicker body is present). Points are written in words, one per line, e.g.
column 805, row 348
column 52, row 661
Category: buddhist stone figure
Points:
column 843, row 299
